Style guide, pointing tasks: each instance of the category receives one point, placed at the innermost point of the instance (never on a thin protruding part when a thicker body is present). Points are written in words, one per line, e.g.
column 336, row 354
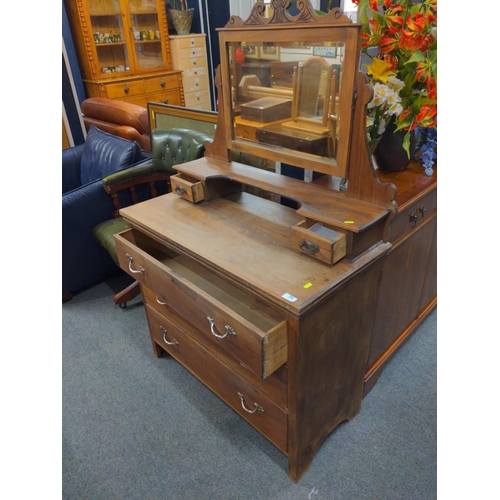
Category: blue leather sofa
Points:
column 85, row 204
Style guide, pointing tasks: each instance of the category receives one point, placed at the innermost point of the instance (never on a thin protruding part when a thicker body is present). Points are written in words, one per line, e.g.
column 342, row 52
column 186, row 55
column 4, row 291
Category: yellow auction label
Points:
column 307, row 285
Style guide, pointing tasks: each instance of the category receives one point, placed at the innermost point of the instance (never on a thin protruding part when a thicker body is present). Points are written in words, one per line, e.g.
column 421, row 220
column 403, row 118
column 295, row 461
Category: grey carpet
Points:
column 141, row 428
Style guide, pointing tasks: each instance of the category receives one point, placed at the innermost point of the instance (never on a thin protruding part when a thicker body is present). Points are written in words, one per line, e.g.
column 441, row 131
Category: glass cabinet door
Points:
column 109, row 36
column 146, row 34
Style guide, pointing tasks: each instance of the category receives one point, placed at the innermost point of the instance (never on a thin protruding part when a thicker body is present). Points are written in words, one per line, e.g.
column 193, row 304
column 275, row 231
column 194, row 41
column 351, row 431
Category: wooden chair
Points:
column 170, row 147
column 105, row 231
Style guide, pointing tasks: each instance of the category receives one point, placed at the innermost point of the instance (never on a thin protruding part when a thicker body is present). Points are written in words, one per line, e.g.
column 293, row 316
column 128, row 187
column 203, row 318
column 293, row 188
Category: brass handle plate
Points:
column 308, row 247
column 181, row 190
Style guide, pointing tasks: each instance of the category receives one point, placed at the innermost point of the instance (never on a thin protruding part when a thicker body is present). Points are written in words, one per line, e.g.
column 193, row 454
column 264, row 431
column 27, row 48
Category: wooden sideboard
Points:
column 408, row 286
column 407, row 291
column 123, row 50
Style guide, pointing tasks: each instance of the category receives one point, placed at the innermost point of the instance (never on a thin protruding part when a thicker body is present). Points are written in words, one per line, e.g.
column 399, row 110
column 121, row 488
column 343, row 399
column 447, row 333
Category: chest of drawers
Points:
column 189, row 54
column 274, row 349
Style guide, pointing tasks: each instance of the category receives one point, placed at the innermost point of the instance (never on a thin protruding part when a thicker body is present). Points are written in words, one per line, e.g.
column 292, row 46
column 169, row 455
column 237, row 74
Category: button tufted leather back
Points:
column 177, row 145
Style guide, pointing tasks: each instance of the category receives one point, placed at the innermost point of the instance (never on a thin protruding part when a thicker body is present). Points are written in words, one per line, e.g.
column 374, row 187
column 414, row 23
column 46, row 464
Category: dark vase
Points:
column 389, row 153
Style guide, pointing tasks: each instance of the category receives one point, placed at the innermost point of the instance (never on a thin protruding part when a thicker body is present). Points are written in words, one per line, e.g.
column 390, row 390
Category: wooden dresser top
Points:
column 258, row 234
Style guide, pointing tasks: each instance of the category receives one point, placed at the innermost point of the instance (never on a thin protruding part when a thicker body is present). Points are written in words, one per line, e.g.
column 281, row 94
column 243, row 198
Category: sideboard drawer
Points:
column 256, row 408
column 125, row 89
column 169, row 97
column 412, row 215
column 244, row 327
column 167, row 82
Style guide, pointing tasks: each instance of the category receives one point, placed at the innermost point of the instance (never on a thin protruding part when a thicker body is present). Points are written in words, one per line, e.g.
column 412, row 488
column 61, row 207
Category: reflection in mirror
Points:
column 287, row 94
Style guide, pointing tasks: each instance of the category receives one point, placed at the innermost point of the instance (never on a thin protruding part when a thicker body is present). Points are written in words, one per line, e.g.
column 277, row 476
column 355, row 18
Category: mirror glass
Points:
column 287, row 95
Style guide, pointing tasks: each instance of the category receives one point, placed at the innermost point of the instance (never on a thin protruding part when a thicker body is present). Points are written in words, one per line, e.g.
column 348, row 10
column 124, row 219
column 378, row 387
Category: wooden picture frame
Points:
column 270, row 52
column 251, row 51
column 170, row 116
column 325, row 51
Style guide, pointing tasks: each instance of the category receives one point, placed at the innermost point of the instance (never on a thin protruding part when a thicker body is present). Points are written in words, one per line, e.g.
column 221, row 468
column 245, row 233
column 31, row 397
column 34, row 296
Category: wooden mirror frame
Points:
column 298, row 97
column 280, row 28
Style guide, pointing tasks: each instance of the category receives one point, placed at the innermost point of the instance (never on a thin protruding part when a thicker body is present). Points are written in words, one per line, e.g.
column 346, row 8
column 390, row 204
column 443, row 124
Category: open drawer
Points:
column 244, row 327
column 187, row 187
column 321, row 241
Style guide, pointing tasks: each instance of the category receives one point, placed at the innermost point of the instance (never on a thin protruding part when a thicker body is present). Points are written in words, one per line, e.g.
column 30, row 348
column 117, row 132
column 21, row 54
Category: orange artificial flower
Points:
column 426, row 116
column 432, row 89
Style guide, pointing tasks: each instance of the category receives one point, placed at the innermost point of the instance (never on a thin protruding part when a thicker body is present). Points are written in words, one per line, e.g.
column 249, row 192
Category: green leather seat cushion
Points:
column 104, row 232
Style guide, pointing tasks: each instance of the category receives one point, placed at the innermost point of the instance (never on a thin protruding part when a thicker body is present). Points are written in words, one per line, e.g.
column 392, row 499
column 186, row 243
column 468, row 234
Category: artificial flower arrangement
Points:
column 405, row 35
column 386, row 101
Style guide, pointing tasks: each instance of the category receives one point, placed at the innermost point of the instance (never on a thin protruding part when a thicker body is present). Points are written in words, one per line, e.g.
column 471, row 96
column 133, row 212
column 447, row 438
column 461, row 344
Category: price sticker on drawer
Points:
column 289, row 297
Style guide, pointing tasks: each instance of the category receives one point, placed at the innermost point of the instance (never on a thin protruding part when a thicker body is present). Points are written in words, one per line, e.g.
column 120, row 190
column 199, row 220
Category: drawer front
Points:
column 188, row 188
column 196, row 71
column 170, row 97
column 411, row 216
column 205, row 106
column 318, row 240
column 195, row 83
column 245, row 132
column 260, row 344
column 192, row 62
column 274, row 387
column 188, row 52
column 195, row 98
column 260, row 412
column 125, row 89
column 167, row 82
column 187, row 42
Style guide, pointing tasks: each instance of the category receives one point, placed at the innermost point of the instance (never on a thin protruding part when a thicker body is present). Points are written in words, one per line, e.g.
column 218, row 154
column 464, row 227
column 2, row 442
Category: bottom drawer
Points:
column 274, row 387
column 169, row 97
column 196, row 98
column 259, row 411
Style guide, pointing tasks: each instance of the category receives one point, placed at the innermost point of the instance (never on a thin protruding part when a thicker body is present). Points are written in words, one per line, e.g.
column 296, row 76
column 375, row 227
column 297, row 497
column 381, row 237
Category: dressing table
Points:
column 274, row 308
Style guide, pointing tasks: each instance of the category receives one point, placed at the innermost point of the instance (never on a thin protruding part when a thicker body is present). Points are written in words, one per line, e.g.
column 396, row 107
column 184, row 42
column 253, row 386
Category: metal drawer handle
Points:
column 164, row 331
column 160, row 302
column 162, row 83
column 413, row 217
column 308, row 247
column 141, row 270
column 422, row 211
column 127, row 90
column 256, row 407
column 180, row 189
column 229, row 330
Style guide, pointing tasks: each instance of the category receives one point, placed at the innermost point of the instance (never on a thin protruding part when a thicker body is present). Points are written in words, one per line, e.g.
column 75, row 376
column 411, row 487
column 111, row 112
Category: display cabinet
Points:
column 274, row 308
column 123, row 50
